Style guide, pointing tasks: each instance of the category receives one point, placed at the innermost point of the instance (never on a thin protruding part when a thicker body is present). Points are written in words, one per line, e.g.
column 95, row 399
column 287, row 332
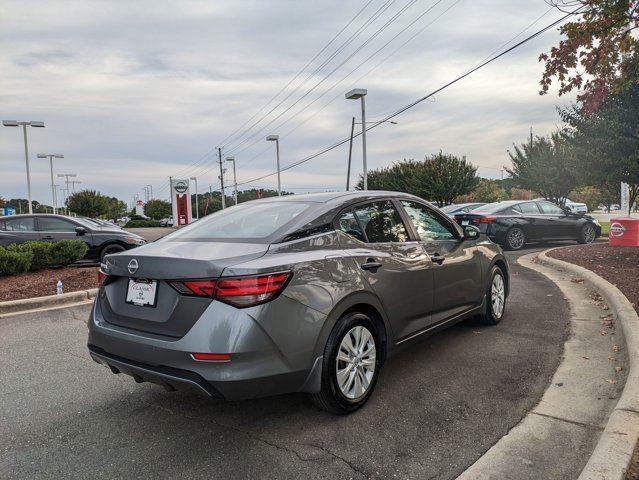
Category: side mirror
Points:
column 79, row 231
column 567, row 211
column 471, row 233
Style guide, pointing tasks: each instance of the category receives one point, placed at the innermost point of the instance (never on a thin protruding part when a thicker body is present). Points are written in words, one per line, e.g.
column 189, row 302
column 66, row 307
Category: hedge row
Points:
column 21, row 257
column 142, row 224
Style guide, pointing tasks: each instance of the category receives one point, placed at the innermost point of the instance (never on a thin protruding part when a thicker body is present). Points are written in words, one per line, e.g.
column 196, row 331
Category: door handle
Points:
column 437, row 258
column 371, row 265
column 47, row 237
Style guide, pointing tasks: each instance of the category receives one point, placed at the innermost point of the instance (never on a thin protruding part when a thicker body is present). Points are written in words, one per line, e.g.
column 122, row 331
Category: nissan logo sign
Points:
column 617, row 229
column 181, row 186
column 133, row 266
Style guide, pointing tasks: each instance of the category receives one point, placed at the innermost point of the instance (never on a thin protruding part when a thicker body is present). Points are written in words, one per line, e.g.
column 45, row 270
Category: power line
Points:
column 420, row 100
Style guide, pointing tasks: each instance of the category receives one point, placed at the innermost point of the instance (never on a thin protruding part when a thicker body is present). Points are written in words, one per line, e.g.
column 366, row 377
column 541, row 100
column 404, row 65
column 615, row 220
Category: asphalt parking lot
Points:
column 438, row 406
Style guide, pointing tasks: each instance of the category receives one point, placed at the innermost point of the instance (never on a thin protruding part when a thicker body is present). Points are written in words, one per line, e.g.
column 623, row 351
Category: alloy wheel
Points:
column 589, row 234
column 355, row 363
column 498, row 295
column 516, row 239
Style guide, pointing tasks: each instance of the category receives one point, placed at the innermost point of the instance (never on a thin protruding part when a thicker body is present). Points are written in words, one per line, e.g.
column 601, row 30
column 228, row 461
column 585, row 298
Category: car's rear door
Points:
column 394, row 263
column 17, row 230
column 457, row 268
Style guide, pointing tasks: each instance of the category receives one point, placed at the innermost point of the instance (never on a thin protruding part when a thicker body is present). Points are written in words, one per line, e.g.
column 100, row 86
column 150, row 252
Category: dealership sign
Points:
column 617, row 229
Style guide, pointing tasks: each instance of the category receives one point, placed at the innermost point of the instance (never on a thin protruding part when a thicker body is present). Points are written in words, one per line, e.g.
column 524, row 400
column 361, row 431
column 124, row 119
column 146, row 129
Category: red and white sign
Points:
column 181, row 201
column 624, row 232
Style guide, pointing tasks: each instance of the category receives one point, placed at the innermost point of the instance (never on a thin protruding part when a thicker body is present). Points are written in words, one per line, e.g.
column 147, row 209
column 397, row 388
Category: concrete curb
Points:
column 50, row 301
column 612, row 454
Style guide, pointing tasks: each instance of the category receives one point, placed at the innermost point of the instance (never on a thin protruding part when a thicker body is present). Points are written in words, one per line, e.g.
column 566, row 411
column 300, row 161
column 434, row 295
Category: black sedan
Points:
column 512, row 224
column 102, row 240
column 459, row 208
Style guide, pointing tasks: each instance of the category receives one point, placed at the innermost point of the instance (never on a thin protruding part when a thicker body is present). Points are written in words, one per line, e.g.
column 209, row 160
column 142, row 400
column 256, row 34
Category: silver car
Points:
column 303, row 293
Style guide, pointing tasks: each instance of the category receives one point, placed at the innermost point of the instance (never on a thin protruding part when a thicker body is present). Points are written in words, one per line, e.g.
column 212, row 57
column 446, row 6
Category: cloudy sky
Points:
column 135, row 91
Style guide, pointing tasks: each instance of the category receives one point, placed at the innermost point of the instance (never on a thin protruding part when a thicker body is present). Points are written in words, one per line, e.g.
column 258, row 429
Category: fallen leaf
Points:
column 586, row 358
column 618, row 369
column 612, row 382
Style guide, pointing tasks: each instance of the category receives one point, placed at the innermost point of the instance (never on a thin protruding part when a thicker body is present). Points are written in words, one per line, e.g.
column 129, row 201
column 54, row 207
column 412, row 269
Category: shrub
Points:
column 14, row 263
column 67, row 251
column 40, row 251
column 142, row 224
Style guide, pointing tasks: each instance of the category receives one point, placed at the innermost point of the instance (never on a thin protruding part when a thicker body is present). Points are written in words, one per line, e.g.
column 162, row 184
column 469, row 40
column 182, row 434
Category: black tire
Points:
column 490, row 316
column 109, row 249
column 330, row 397
column 515, row 239
column 587, row 234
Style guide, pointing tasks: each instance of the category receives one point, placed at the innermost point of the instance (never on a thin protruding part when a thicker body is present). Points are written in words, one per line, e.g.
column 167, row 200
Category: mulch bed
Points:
column 42, row 283
column 620, row 266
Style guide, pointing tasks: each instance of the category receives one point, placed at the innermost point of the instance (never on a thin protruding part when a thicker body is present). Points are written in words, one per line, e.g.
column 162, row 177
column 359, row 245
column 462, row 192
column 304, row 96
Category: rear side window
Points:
column 529, row 208
column 254, row 220
column 20, row 224
column 428, row 226
column 381, row 223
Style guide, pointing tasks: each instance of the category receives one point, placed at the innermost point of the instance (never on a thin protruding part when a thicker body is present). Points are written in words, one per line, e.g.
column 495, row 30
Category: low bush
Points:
column 14, row 263
column 142, row 224
column 51, row 254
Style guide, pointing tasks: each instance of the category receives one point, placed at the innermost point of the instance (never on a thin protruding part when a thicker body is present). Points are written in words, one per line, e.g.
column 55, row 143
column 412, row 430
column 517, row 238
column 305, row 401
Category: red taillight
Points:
column 249, row 291
column 237, row 291
column 211, row 357
column 485, row 219
column 103, row 278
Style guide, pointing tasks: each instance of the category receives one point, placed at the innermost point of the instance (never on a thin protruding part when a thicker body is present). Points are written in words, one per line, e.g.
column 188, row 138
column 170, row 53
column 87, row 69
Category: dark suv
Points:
column 102, row 240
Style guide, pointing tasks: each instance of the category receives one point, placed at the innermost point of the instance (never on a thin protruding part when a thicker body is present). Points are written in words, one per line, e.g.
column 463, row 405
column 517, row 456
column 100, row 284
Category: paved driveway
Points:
column 438, row 406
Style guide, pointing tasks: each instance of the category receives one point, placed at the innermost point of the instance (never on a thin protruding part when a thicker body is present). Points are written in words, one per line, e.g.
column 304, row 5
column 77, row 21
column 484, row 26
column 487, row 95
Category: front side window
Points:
column 20, row 224
column 251, row 220
column 381, row 222
column 550, row 208
column 428, row 226
column 55, row 225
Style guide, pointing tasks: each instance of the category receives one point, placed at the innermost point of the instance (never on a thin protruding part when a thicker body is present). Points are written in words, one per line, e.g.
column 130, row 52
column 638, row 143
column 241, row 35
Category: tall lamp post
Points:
column 15, row 123
column 197, row 208
column 51, row 156
column 360, row 93
column 232, row 159
column 276, row 139
column 66, row 191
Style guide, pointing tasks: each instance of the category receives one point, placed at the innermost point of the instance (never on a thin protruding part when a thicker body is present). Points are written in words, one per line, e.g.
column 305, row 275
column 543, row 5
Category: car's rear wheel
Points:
column 110, row 249
column 351, row 365
column 515, row 239
column 495, row 298
column 587, row 234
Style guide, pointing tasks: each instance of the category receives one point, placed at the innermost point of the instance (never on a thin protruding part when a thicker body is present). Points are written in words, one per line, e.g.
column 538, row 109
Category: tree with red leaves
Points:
column 595, row 53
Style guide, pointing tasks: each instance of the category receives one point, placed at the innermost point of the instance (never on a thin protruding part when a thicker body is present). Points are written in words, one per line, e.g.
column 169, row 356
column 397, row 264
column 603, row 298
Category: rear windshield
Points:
column 496, row 207
column 450, row 208
column 248, row 221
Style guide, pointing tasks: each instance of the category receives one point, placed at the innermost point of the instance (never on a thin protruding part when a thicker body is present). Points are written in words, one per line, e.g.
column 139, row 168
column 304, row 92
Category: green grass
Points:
column 605, row 228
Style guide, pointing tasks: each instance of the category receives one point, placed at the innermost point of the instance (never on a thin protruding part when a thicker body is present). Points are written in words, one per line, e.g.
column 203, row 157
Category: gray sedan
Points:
column 304, row 293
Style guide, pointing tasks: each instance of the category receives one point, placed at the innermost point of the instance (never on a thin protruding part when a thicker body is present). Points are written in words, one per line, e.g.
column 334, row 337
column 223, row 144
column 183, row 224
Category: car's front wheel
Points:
column 587, row 234
column 351, row 365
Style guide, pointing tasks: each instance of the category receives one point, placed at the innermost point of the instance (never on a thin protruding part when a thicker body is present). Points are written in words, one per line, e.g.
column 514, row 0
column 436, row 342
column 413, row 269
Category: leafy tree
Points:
column 439, row 178
column 115, row 208
column 88, row 203
column 2, row 202
column 21, row 205
column 608, row 140
column 547, row 165
column 595, row 54
column 157, row 209
column 521, row 194
column 589, row 195
column 486, row 191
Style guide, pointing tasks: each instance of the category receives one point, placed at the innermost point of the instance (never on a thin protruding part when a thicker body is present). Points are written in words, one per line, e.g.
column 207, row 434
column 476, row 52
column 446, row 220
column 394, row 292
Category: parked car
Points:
column 102, row 240
column 166, row 222
column 101, row 223
column 455, row 208
column 514, row 223
column 572, row 207
column 302, row 293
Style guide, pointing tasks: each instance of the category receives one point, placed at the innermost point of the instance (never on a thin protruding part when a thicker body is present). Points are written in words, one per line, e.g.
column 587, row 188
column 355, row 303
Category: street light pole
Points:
column 51, row 156
column 219, row 154
column 354, row 95
column 276, row 139
column 15, row 123
column 197, row 207
column 66, row 190
column 232, row 159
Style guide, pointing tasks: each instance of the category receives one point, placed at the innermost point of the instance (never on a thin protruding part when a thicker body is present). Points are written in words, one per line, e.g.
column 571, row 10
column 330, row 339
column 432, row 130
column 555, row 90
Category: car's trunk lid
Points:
column 171, row 314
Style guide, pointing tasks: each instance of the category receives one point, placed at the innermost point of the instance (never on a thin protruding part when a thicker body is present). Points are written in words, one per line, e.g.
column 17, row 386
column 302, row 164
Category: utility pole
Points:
column 51, row 156
column 219, row 154
column 350, row 155
column 73, row 183
column 232, row 159
column 66, row 191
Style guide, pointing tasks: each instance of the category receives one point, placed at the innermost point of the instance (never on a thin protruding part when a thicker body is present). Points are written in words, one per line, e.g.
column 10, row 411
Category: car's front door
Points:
column 17, row 230
column 53, row 229
column 557, row 223
column 394, row 264
column 457, row 268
